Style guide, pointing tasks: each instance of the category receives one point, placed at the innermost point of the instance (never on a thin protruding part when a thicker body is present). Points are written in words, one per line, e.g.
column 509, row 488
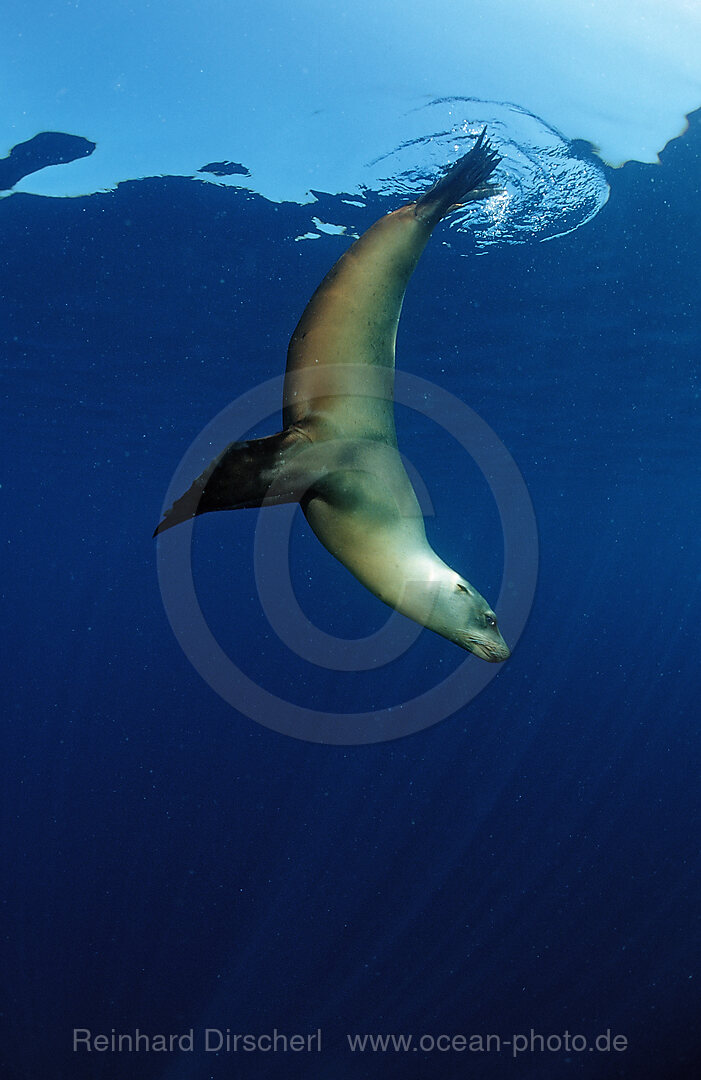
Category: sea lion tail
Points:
column 240, row 477
column 465, row 181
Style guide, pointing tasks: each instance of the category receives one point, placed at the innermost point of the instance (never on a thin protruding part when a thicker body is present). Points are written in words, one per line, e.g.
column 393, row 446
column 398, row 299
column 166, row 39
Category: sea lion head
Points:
column 472, row 624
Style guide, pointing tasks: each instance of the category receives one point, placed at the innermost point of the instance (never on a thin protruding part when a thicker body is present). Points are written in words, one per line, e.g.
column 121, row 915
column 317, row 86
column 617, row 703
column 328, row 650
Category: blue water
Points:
column 529, row 863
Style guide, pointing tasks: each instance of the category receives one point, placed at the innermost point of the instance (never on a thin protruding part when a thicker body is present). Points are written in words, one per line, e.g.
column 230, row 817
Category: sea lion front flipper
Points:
column 246, row 474
column 465, row 181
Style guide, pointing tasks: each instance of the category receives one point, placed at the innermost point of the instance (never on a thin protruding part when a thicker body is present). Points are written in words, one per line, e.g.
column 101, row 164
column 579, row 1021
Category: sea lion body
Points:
column 337, row 454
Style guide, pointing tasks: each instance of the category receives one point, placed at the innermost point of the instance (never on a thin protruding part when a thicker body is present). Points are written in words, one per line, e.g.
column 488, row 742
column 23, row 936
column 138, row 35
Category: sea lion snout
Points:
column 501, row 652
column 493, row 651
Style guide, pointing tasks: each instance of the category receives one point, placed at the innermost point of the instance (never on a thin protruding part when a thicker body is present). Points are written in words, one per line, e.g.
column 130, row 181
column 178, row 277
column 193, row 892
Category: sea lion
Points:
column 337, row 453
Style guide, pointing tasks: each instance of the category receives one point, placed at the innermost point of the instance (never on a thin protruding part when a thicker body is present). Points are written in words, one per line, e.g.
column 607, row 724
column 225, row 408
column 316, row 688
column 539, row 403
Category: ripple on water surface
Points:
column 550, row 186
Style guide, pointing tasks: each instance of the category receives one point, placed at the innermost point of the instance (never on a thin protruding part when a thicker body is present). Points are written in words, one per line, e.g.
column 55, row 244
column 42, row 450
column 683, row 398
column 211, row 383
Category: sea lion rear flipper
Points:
column 464, row 182
column 244, row 475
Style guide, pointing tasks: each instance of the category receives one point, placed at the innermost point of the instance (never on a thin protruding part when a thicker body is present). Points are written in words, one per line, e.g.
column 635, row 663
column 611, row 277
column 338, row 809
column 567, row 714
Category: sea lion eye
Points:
column 490, row 620
column 460, row 587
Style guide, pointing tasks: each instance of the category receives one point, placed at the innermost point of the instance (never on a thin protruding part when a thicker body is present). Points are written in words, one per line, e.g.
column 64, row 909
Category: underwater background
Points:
column 530, row 863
